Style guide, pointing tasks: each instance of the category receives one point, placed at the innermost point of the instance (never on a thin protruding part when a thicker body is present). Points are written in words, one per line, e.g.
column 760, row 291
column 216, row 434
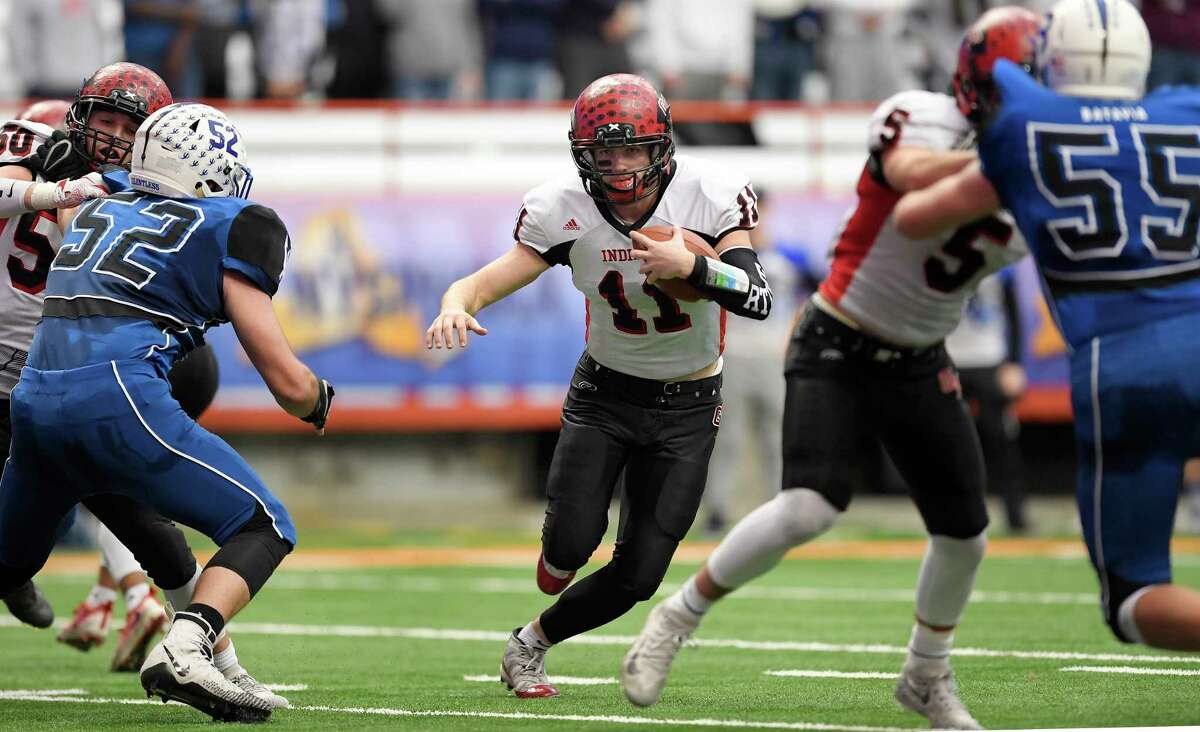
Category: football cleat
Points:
column 936, row 699
column 550, row 580
column 242, row 679
column 180, row 668
column 89, row 626
column 29, row 605
column 646, row 665
column 142, row 623
column 523, row 669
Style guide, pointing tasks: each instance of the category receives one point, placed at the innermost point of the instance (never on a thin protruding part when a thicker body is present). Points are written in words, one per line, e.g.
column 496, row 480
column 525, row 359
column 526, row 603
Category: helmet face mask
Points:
column 1008, row 32
column 1095, row 48
column 621, row 111
column 190, row 151
column 123, row 88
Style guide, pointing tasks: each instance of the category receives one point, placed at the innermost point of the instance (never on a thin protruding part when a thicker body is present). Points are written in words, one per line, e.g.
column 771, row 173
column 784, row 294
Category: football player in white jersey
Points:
column 100, row 123
column 866, row 368
column 646, row 395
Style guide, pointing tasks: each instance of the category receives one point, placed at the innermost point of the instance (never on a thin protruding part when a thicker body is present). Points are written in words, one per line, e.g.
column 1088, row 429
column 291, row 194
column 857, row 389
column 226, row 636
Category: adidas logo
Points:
column 571, row 225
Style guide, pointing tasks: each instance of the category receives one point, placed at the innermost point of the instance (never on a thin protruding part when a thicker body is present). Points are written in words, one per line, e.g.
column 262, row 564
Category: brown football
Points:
column 678, row 288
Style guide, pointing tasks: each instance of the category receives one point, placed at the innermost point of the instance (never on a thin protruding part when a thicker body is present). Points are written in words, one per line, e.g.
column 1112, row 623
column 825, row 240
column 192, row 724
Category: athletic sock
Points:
column 929, row 651
column 206, row 617
column 530, row 637
column 689, row 600
column 226, row 659
column 134, row 595
column 101, row 595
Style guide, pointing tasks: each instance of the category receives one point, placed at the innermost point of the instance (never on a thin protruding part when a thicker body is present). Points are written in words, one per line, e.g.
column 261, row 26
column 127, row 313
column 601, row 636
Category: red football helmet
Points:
column 621, row 110
column 1006, row 32
column 52, row 112
column 121, row 87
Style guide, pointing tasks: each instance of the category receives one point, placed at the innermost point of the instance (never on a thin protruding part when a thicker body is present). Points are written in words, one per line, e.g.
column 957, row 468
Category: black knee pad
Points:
column 253, row 552
column 569, row 548
column 155, row 541
column 1119, row 590
column 194, row 381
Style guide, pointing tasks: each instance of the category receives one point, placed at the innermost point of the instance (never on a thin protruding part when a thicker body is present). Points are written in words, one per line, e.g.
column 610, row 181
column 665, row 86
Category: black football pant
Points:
column 848, row 394
column 998, row 433
column 661, row 434
column 155, row 541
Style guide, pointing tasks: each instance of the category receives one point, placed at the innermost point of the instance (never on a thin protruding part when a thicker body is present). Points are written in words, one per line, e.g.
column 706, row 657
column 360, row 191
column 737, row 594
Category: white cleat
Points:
column 142, row 624
column 523, row 669
column 89, row 626
column 646, row 665
column 181, row 668
column 936, row 699
column 242, row 679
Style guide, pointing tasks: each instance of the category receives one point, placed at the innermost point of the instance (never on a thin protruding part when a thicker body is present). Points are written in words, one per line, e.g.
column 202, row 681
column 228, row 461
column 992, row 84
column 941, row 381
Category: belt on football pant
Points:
column 857, row 343
column 649, row 391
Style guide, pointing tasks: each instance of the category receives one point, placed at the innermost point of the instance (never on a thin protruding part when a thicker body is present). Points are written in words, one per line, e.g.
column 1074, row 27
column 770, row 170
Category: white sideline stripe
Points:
column 608, row 719
column 499, row 585
column 560, row 680
column 818, row 674
column 287, row 687
column 15, row 693
column 185, row 456
column 1133, row 670
column 492, row 636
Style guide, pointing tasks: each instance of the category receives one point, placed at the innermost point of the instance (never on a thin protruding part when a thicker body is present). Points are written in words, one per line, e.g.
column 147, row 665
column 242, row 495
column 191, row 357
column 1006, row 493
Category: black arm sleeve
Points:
column 756, row 303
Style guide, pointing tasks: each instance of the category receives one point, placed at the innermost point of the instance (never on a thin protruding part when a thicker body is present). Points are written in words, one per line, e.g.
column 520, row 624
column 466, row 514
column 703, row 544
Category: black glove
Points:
column 320, row 412
column 57, row 159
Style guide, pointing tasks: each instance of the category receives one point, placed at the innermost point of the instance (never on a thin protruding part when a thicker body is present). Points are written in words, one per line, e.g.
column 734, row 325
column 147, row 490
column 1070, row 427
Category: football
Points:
column 678, row 288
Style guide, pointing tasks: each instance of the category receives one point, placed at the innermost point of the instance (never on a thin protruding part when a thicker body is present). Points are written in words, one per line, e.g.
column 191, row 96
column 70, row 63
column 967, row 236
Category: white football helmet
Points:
column 190, row 151
column 1095, row 48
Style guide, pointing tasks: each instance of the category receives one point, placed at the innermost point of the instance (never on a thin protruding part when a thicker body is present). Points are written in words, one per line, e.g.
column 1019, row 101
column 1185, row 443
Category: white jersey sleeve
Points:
column 19, row 138
column 917, row 119
column 734, row 202
column 537, row 208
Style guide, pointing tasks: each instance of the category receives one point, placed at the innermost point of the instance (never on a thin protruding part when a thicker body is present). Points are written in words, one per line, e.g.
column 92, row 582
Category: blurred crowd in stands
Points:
column 536, row 50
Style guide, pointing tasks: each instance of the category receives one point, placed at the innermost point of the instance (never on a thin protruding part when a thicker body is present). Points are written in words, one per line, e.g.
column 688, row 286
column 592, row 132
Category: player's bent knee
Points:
column 802, row 514
column 1118, row 614
column 253, row 552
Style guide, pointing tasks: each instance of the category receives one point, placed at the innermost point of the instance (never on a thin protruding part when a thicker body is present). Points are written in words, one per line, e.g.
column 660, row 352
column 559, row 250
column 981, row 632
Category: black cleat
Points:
column 28, row 604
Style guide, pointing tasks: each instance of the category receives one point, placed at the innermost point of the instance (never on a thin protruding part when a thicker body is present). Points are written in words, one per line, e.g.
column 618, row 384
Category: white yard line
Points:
column 53, row 696
column 1133, row 670
column 308, row 581
column 822, row 674
column 492, row 636
column 560, row 680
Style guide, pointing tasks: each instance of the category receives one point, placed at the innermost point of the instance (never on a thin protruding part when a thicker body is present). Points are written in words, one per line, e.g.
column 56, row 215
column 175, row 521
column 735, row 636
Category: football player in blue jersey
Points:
column 1104, row 181
column 140, row 277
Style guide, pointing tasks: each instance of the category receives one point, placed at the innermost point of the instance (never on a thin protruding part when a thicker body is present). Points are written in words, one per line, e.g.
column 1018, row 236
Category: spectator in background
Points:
column 867, row 55
column 785, row 34
column 159, row 36
column 592, row 38
column 433, row 48
column 1174, row 27
column 219, row 20
column 288, row 36
column 356, row 32
column 56, row 44
column 753, row 385
column 987, row 346
column 703, row 49
column 520, row 42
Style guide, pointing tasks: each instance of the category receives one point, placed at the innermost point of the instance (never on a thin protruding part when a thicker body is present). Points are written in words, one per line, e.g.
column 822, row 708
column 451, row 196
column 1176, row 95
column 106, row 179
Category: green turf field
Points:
column 399, row 648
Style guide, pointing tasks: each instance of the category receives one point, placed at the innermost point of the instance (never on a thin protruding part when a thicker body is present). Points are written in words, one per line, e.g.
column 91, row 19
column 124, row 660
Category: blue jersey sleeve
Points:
column 257, row 247
column 1003, row 135
column 116, row 179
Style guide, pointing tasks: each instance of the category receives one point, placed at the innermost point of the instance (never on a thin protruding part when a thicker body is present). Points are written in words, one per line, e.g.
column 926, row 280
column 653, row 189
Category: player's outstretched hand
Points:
column 71, row 193
column 663, row 260
column 452, row 325
column 57, row 159
column 320, row 411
